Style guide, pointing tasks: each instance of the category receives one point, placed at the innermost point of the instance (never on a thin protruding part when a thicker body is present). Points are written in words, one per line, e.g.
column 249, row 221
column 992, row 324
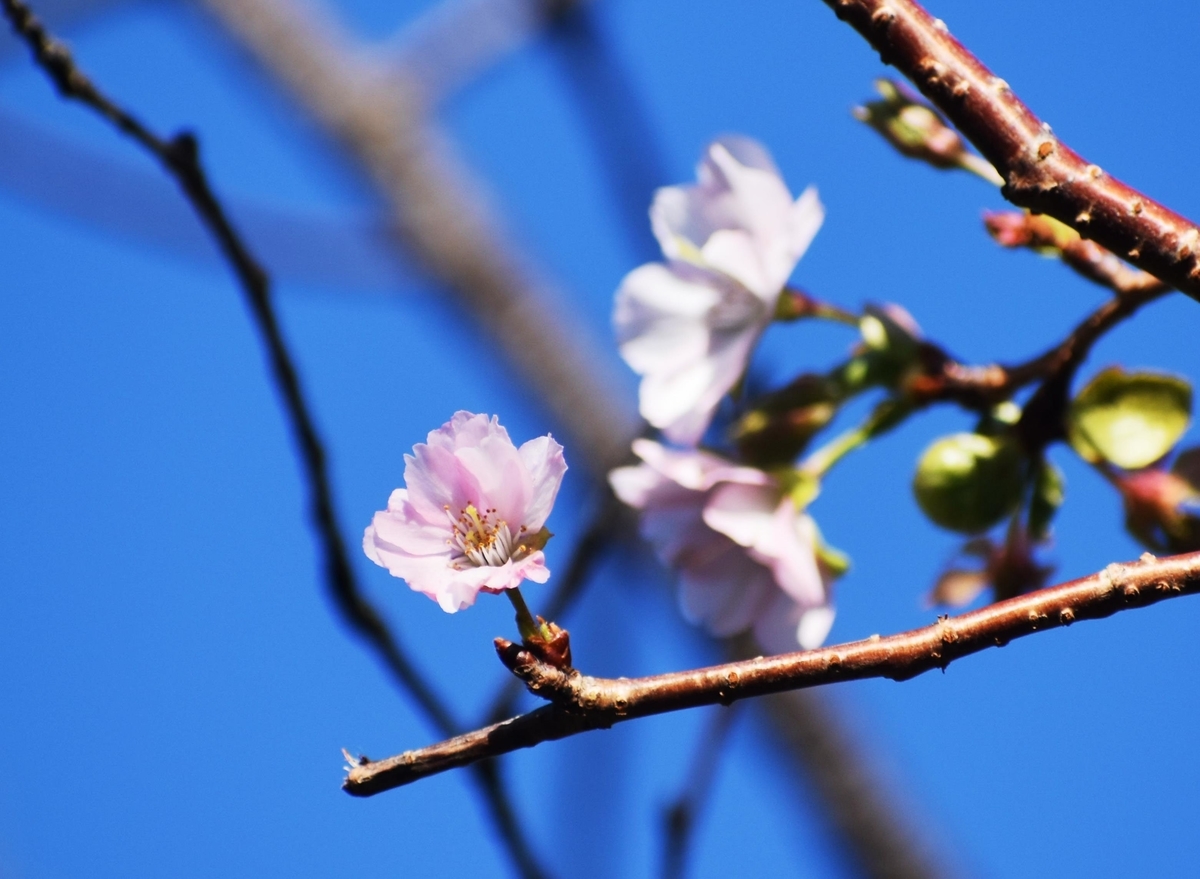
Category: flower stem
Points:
column 529, row 627
column 883, row 418
column 828, row 311
column 794, row 304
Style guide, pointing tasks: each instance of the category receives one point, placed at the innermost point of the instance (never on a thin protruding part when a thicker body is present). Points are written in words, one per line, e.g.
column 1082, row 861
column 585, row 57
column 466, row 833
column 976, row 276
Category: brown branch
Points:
column 579, row 703
column 1042, row 420
column 1041, row 234
column 1040, row 172
column 180, row 158
column 942, row 378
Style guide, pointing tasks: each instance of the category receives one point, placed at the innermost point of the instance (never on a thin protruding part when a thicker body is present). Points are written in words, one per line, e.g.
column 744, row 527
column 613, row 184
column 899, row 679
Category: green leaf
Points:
column 968, row 482
column 1129, row 419
column 1049, row 491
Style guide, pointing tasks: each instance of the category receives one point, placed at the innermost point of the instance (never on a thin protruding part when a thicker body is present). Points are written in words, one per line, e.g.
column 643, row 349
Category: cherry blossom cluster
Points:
column 745, row 549
column 723, row 492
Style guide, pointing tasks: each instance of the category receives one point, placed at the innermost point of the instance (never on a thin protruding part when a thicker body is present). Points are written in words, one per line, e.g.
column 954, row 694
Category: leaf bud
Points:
column 918, row 131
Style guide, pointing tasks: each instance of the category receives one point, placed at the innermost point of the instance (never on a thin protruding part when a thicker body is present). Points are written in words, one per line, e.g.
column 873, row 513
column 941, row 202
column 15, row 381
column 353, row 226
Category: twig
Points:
column 1040, row 172
column 1041, row 234
column 610, row 523
column 979, row 387
column 679, row 818
column 579, row 703
column 1042, row 418
column 180, row 158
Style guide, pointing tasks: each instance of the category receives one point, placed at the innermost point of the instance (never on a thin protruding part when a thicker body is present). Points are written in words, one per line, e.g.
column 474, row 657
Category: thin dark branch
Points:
column 1042, row 420
column 979, row 387
column 579, row 703
column 1040, row 172
column 1018, row 229
column 679, row 818
column 180, row 157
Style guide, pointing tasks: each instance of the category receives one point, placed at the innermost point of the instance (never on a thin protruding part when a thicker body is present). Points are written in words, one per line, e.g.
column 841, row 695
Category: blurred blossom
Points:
column 1162, row 507
column 747, row 557
column 1008, row 568
column 688, row 326
column 471, row 515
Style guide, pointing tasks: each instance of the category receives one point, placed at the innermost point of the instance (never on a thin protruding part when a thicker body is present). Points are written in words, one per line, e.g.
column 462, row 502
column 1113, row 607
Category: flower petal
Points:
column 694, row 469
column 742, row 512
column 726, row 593
column 544, row 461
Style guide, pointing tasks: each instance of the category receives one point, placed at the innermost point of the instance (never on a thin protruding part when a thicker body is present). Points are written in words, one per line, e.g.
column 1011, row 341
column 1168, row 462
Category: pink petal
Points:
column 785, row 625
column 695, row 469
column 725, row 593
column 503, row 480
column 437, row 480
column 404, row 530
column 742, row 512
column 543, row 460
column 788, row 547
column 466, row 429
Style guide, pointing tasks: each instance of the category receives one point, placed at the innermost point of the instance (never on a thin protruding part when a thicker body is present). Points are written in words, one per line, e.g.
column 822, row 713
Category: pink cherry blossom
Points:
column 746, row 556
column 470, row 517
column 688, row 326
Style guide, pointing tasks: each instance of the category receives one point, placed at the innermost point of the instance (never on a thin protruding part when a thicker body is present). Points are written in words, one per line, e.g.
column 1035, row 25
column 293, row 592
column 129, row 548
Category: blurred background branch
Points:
column 443, row 217
column 180, row 157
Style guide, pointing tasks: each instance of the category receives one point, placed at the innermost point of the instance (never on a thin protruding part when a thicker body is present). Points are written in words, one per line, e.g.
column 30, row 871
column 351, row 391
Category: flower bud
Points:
column 918, row 131
column 1162, row 509
column 892, row 349
column 1039, row 232
column 968, row 482
column 556, row 649
column 1007, row 568
column 779, row 428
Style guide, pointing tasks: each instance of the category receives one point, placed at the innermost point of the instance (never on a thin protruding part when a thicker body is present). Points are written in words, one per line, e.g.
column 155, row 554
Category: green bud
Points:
column 1129, row 419
column 918, row 131
column 781, row 424
column 967, row 482
column 891, row 348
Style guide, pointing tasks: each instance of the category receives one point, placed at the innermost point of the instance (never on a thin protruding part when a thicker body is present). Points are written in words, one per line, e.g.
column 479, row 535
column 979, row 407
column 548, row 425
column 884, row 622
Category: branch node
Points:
column 883, row 17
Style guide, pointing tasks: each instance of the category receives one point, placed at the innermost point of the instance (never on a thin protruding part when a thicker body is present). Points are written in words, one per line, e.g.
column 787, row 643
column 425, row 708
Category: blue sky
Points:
column 177, row 688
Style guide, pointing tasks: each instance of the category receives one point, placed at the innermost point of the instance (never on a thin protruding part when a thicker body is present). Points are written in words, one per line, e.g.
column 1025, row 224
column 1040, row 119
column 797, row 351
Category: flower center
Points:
column 478, row 539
